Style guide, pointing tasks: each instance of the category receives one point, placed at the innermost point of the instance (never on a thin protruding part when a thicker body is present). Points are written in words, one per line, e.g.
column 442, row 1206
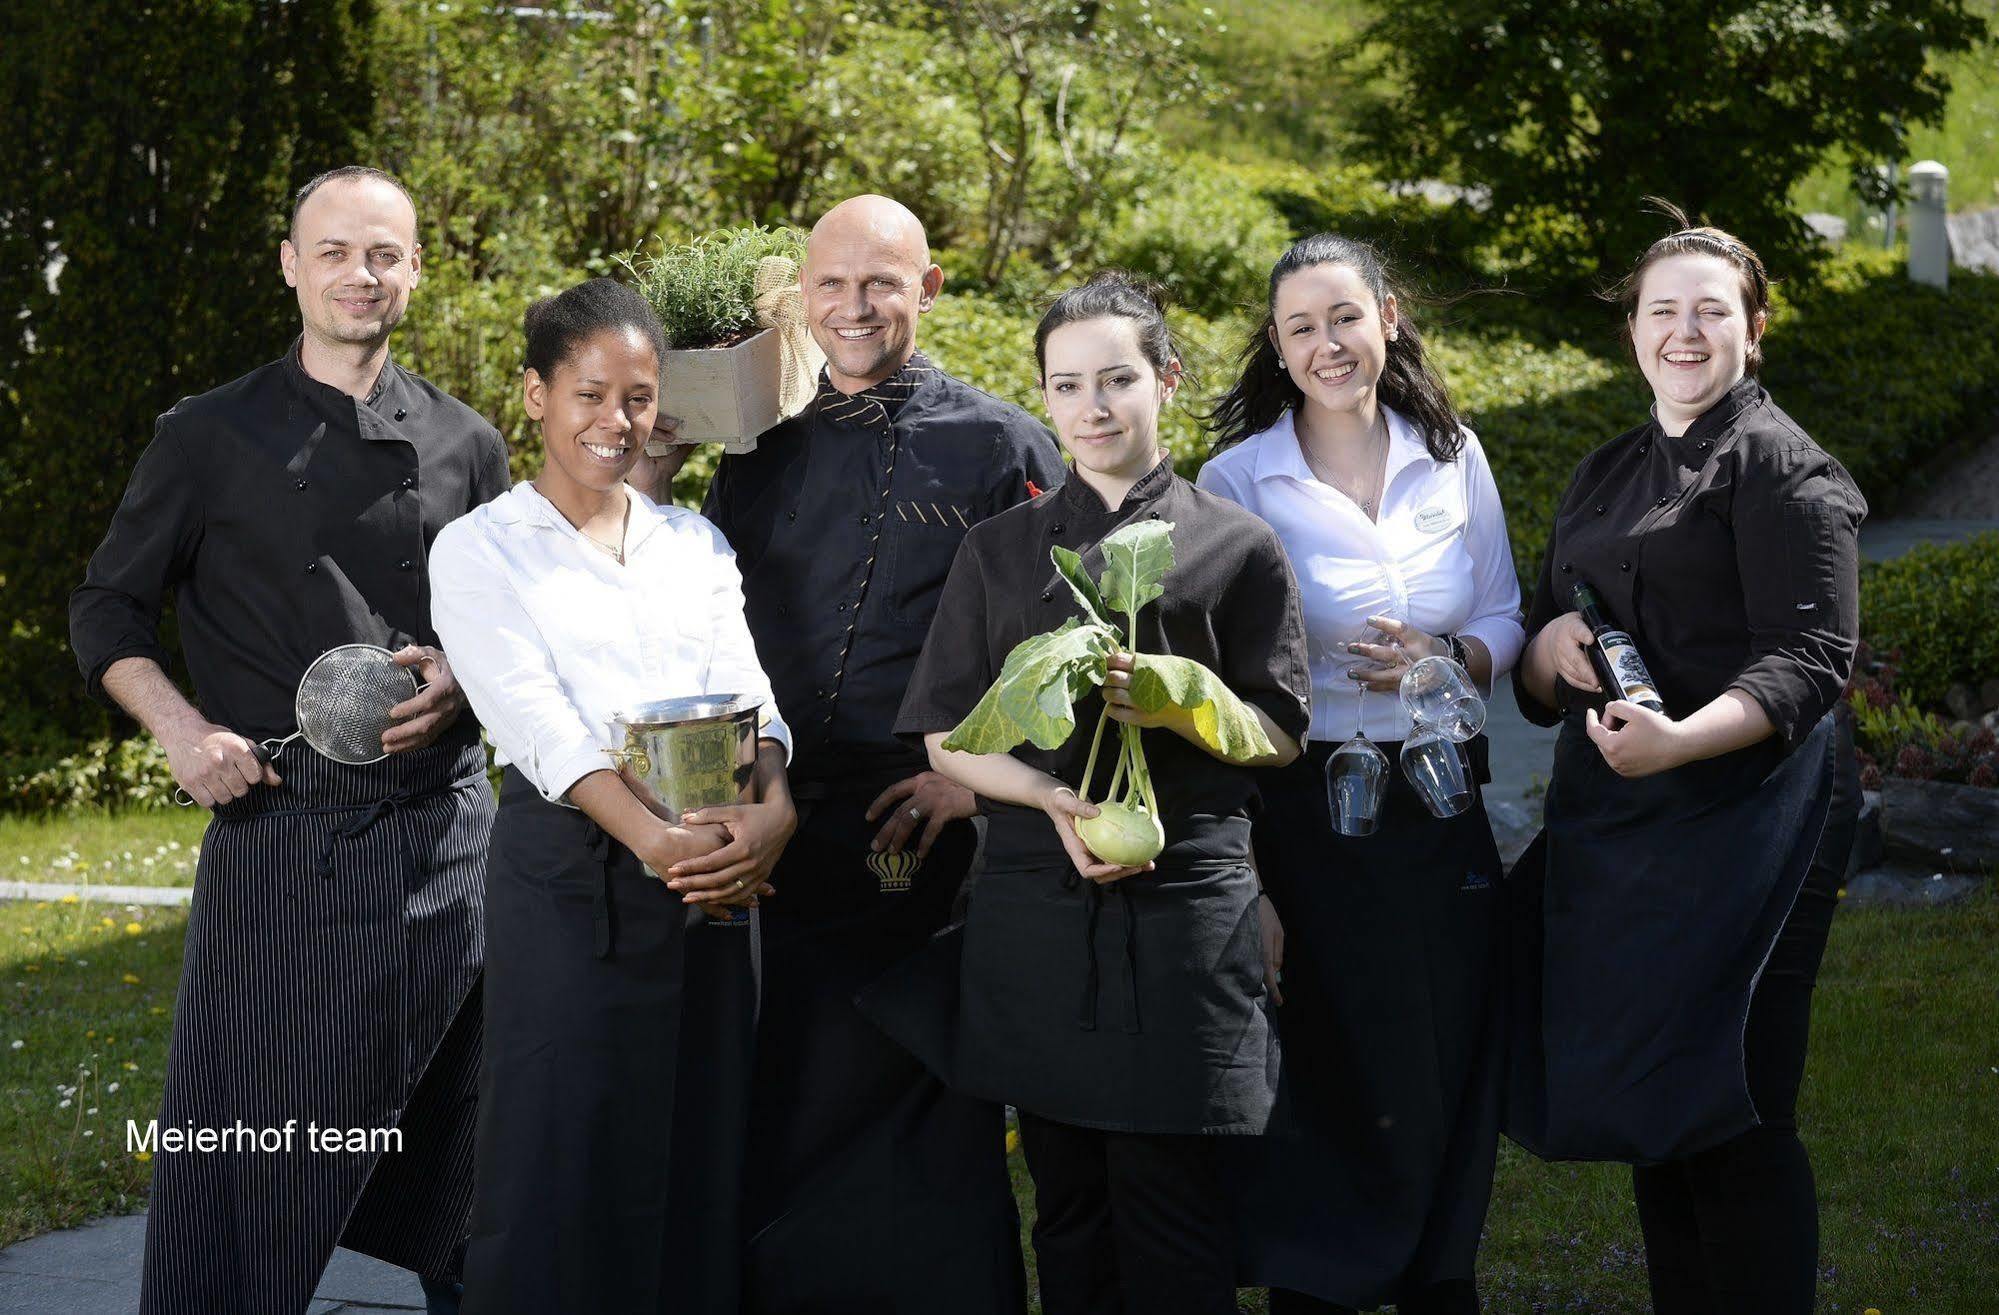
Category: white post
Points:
column 1929, row 242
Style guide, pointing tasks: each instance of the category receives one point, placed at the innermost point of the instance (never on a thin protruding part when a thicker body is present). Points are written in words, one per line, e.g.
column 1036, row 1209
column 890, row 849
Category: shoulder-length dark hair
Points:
column 1264, row 391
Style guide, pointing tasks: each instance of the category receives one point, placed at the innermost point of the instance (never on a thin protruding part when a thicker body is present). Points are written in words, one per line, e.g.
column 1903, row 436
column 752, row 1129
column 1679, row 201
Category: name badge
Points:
column 1432, row 518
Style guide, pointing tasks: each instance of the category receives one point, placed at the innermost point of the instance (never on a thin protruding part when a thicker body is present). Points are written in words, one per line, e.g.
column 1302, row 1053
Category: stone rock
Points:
column 1831, row 229
column 1990, row 721
column 1974, row 239
column 1962, row 701
column 1513, row 827
column 1867, row 839
column 1955, row 827
column 1988, row 693
column 1907, row 888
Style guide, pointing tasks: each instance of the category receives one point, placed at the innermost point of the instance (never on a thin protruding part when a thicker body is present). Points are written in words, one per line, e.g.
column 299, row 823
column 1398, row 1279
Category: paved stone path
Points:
column 94, row 1270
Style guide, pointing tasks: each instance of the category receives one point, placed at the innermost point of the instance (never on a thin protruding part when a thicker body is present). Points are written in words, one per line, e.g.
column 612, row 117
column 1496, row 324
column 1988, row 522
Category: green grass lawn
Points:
column 155, row 848
column 1900, row 1107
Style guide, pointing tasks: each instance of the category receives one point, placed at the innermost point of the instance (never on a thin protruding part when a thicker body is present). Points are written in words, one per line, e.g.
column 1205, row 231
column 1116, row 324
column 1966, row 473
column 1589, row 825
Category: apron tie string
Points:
column 1131, row 1026
column 1093, row 904
column 599, row 842
column 373, row 813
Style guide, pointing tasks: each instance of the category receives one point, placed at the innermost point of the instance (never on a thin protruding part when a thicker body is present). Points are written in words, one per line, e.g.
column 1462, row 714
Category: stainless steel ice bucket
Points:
column 682, row 754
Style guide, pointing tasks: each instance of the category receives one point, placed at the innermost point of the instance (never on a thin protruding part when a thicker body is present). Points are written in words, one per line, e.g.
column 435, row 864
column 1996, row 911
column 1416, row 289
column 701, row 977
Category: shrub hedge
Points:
column 1935, row 607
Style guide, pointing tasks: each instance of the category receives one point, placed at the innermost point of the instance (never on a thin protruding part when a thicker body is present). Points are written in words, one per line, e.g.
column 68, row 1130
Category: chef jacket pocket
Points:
column 918, row 548
column 1813, row 557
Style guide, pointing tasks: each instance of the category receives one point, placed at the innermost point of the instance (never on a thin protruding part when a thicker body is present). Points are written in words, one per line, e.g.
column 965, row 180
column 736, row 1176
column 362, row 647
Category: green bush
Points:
column 1935, row 606
column 104, row 773
column 1208, row 240
column 1828, row 364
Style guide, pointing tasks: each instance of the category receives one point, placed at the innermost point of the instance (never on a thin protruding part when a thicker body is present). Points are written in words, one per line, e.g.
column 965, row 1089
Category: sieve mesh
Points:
column 344, row 701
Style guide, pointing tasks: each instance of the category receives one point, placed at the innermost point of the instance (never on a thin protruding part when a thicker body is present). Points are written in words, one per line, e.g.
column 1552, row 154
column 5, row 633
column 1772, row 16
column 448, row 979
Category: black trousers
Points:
column 1127, row 1223
column 1734, row 1230
column 1452, row 1297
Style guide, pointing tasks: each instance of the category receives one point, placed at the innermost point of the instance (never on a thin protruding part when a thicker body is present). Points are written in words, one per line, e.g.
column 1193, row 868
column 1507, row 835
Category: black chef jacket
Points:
column 1231, row 604
column 286, row 518
column 1728, row 553
column 845, row 520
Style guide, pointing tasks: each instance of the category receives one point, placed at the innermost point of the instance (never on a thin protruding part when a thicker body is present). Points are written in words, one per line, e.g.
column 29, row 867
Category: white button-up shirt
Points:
column 1436, row 556
column 549, row 635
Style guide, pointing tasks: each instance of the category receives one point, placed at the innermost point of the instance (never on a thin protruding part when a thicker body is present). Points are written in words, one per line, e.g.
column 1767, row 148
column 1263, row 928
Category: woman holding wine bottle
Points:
column 1693, row 624
column 1371, row 1185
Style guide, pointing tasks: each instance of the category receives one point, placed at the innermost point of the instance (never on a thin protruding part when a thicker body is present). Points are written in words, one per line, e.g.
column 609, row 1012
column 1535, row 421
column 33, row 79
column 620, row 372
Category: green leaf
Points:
column 1071, row 567
column 1035, row 695
column 1136, row 559
column 1223, row 721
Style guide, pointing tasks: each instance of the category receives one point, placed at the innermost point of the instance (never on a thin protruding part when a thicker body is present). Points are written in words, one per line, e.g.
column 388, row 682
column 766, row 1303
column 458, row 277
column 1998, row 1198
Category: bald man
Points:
column 870, row 1187
column 338, row 928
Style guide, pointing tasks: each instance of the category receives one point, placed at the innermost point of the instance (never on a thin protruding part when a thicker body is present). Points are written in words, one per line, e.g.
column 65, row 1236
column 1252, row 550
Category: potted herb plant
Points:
column 739, row 358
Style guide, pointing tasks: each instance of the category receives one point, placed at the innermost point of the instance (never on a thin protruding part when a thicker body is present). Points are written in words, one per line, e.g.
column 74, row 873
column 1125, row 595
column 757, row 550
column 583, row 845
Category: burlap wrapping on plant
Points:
column 781, row 306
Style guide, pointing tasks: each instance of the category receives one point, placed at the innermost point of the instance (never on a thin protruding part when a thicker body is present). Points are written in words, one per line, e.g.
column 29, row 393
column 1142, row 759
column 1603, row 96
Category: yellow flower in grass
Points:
column 107, row 922
column 133, row 929
column 31, row 967
column 131, row 979
column 143, row 1156
column 68, row 899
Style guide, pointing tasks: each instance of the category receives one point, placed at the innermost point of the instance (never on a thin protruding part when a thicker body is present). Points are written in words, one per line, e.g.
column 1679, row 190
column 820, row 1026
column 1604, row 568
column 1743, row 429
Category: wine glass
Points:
column 1356, row 778
column 1438, row 692
column 1435, row 766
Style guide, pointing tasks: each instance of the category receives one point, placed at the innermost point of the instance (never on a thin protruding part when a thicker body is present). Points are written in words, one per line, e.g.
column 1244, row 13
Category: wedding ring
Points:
column 737, row 884
column 916, row 814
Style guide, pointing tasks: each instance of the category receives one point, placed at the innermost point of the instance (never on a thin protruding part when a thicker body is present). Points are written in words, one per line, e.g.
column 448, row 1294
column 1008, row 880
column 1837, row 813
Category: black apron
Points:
column 871, row 1187
column 619, row 1023
column 1642, row 917
column 333, row 945
column 1373, row 1180
column 1131, row 1007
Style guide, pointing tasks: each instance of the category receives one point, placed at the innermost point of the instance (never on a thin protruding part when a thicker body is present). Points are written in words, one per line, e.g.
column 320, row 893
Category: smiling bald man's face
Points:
column 867, row 278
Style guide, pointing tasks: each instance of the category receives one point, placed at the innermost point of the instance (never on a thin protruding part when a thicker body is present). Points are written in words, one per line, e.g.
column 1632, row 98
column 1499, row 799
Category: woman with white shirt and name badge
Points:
column 619, row 1018
column 1371, row 1185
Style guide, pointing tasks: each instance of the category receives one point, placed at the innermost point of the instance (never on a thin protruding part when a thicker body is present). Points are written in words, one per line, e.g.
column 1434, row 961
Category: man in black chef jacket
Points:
column 335, row 938
column 870, row 1186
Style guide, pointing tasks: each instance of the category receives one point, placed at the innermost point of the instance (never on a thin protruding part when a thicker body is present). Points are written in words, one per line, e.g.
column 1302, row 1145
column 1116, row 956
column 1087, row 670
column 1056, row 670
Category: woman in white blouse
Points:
column 1371, row 1186
column 618, row 1016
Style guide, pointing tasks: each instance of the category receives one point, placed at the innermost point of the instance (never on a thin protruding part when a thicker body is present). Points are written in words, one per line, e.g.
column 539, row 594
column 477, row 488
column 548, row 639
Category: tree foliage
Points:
column 144, row 186
column 1572, row 112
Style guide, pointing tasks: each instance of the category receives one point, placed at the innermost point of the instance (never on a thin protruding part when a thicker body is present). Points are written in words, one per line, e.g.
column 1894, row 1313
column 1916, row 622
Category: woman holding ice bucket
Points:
column 1671, row 917
column 619, row 1005
column 1387, row 918
column 1111, row 974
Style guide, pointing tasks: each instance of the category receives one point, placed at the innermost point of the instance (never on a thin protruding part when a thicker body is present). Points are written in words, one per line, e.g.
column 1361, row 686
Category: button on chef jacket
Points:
column 845, row 521
column 550, row 635
column 1437, row 556
column 1728, row 553
column 285, row 518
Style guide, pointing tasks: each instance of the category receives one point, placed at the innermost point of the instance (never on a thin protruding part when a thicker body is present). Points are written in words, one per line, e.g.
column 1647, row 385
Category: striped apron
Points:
column 333, row 947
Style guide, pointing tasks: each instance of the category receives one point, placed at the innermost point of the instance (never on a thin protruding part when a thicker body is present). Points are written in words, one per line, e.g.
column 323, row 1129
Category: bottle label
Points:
column 1627, row 670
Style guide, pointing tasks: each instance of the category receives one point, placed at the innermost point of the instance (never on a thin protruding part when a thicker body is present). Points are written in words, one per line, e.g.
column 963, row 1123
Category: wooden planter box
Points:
column 726, row 395
column 1921, row 819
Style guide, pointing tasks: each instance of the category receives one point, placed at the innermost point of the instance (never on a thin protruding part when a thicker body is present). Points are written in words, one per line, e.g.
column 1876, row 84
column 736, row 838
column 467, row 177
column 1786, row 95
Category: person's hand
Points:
column 653, row 475
column 1565, row 641
column 1404, row 645
column 1272, row 929
column 930, row 800
column 215, row 765
column 1117, row 694
column 419, row 721
column 758, row 834
column 1063, row 808
column 1636, row 741
column 669, row 845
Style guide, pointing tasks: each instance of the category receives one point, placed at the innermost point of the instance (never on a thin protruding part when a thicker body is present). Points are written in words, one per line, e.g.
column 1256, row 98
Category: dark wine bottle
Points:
column 1615, row 656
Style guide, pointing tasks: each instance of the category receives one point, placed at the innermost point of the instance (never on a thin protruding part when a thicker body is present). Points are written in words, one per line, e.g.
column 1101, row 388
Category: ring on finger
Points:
column 736, row 885
column 916, row 814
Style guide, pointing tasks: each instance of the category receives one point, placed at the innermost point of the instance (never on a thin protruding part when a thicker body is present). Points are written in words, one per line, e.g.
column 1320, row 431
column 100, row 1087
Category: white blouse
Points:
column 549, row 635
column 1437, row 556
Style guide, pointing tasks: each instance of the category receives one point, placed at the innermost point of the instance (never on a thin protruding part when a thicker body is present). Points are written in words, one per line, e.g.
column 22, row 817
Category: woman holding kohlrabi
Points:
column 1111, row 968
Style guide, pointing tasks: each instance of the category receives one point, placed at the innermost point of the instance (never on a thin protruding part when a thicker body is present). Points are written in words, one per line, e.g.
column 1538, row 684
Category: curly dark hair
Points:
column 1264, row 390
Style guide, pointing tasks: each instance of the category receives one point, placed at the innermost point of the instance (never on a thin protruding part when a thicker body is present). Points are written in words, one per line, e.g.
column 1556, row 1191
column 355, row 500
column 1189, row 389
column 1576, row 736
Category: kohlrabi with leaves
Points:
column 1034, row 698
